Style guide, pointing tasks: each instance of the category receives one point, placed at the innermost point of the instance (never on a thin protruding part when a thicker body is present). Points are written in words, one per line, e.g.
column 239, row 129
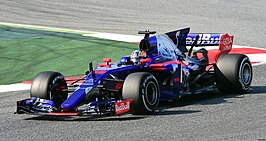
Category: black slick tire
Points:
column 143, row 88
column 233, row 73
column 49, row 85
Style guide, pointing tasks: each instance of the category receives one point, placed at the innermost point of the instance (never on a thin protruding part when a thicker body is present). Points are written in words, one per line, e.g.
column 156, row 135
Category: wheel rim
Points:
column 151, row 93
column 246, row 73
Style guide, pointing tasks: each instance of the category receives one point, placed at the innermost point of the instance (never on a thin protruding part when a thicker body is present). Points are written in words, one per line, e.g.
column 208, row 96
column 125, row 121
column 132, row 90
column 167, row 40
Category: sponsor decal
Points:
column 122, row 106
column 225, row 45
column 226, row 42
column 204, row 39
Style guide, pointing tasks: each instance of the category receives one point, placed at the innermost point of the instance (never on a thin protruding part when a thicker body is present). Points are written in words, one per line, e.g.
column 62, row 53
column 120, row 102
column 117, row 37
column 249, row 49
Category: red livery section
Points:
column 248, row 50
column 63, row 114
column 240, row 50
column 100, row 71
column 161, row 66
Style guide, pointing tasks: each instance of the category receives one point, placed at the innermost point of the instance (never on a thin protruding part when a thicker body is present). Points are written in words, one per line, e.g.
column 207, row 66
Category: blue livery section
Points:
column 72, row 101
column 168, row 43
column 89, row 83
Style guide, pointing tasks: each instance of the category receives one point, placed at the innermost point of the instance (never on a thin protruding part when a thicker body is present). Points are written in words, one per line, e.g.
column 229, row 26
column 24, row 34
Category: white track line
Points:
column 36, row 27
column 116, row 37
column 14, row 87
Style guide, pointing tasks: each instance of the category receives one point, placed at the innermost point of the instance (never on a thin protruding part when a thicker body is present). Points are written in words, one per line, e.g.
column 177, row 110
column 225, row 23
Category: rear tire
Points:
column 233, row 73
column 49, row 85
column 143, row 88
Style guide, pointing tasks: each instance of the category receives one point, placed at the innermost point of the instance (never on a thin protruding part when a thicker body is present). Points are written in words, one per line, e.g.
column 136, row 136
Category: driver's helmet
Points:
column 137, row 55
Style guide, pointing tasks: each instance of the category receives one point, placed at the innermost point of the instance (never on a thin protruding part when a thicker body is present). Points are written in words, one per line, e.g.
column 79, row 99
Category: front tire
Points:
column 143, row 88
column 234, row 73
column 49, row 85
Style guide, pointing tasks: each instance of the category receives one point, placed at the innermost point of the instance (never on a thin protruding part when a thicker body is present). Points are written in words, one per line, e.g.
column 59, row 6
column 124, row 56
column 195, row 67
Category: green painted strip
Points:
column 44, row 28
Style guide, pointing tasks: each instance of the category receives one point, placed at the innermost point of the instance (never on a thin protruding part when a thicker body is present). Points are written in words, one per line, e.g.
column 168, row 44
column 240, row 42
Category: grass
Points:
column 26, row 52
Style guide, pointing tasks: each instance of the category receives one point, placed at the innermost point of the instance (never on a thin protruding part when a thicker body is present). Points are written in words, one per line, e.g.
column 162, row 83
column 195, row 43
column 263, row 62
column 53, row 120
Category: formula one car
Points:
column 162, row 69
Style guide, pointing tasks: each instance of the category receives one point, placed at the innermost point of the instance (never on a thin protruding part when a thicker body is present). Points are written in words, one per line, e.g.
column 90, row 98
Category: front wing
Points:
column 39, row 106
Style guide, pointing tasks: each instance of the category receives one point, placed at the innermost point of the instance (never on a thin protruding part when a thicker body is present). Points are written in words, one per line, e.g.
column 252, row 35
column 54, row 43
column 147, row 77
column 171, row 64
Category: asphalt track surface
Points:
column 205, row 117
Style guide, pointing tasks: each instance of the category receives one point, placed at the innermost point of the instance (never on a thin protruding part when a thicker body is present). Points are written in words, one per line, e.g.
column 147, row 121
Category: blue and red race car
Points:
column 161, row 69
